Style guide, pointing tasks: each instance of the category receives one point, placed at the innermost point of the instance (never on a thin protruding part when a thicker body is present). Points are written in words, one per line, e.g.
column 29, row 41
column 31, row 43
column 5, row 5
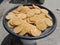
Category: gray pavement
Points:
column 53, row 39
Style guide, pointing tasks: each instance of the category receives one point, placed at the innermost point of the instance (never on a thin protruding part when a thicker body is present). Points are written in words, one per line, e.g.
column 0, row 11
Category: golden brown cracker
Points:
column 31, row 7
column 32, row 30
column 36, row 17
column 40, row 24
column 25, row 9
column 36, row 7
column 17, row 21
column 9, row 24
column 35, row 32
column 36, row 11
column 24, row 31
column 28, row 20
column 20, row 8
column 15, row 12
column 10, row 16
column 21, row 16
column 48, row 22
column 18, row 29
column 44, row 11
column 48, row 16
column 30, row 13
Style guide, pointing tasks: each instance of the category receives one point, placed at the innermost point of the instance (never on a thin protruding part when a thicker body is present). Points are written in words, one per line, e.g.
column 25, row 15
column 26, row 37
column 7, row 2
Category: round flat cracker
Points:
column 35, row 32
column 23, row 32
column 48, row 16
column 17, row 21
column 9, row 25
column 30, row 13
column 28, row 20
column 20, row 8
column 40, row 24
column 37, row 17
column 10, row 16
column 25, row 9
column 36, row 11
column 15, row 12
column 44, row 11
column 48, row 22
column 36, row 7
column 21, row 16
column 18, row 29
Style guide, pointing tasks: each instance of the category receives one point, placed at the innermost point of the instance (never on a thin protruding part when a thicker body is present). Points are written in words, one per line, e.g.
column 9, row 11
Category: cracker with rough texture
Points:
column 28, row 28
column 9, row 23
column 18, row 29
column 15, row 12
column 21, row 16
column 17, row 21
column 48, row 16
column 32, row 30
column 28, row 20
column 44, row 11
column 30, row 13
column 48, row 22
column 34, row 18
column 37, row 17
column 36, row 7
column 35, row 31
column 25, row 9
column 20, row 8
column 10, row 16
column 40, row 24
column 24, row 30
column 31, row 7
column 36, row 11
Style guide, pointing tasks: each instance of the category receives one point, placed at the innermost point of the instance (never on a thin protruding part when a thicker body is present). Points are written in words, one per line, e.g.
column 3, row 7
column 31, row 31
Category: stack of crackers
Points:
column 29, row 20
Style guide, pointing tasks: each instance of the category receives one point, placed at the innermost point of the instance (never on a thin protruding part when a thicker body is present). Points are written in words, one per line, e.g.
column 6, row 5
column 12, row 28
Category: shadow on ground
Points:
column 9, row 40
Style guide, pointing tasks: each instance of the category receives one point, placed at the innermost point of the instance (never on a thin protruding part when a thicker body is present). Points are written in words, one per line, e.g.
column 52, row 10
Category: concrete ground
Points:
column 53, row 39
